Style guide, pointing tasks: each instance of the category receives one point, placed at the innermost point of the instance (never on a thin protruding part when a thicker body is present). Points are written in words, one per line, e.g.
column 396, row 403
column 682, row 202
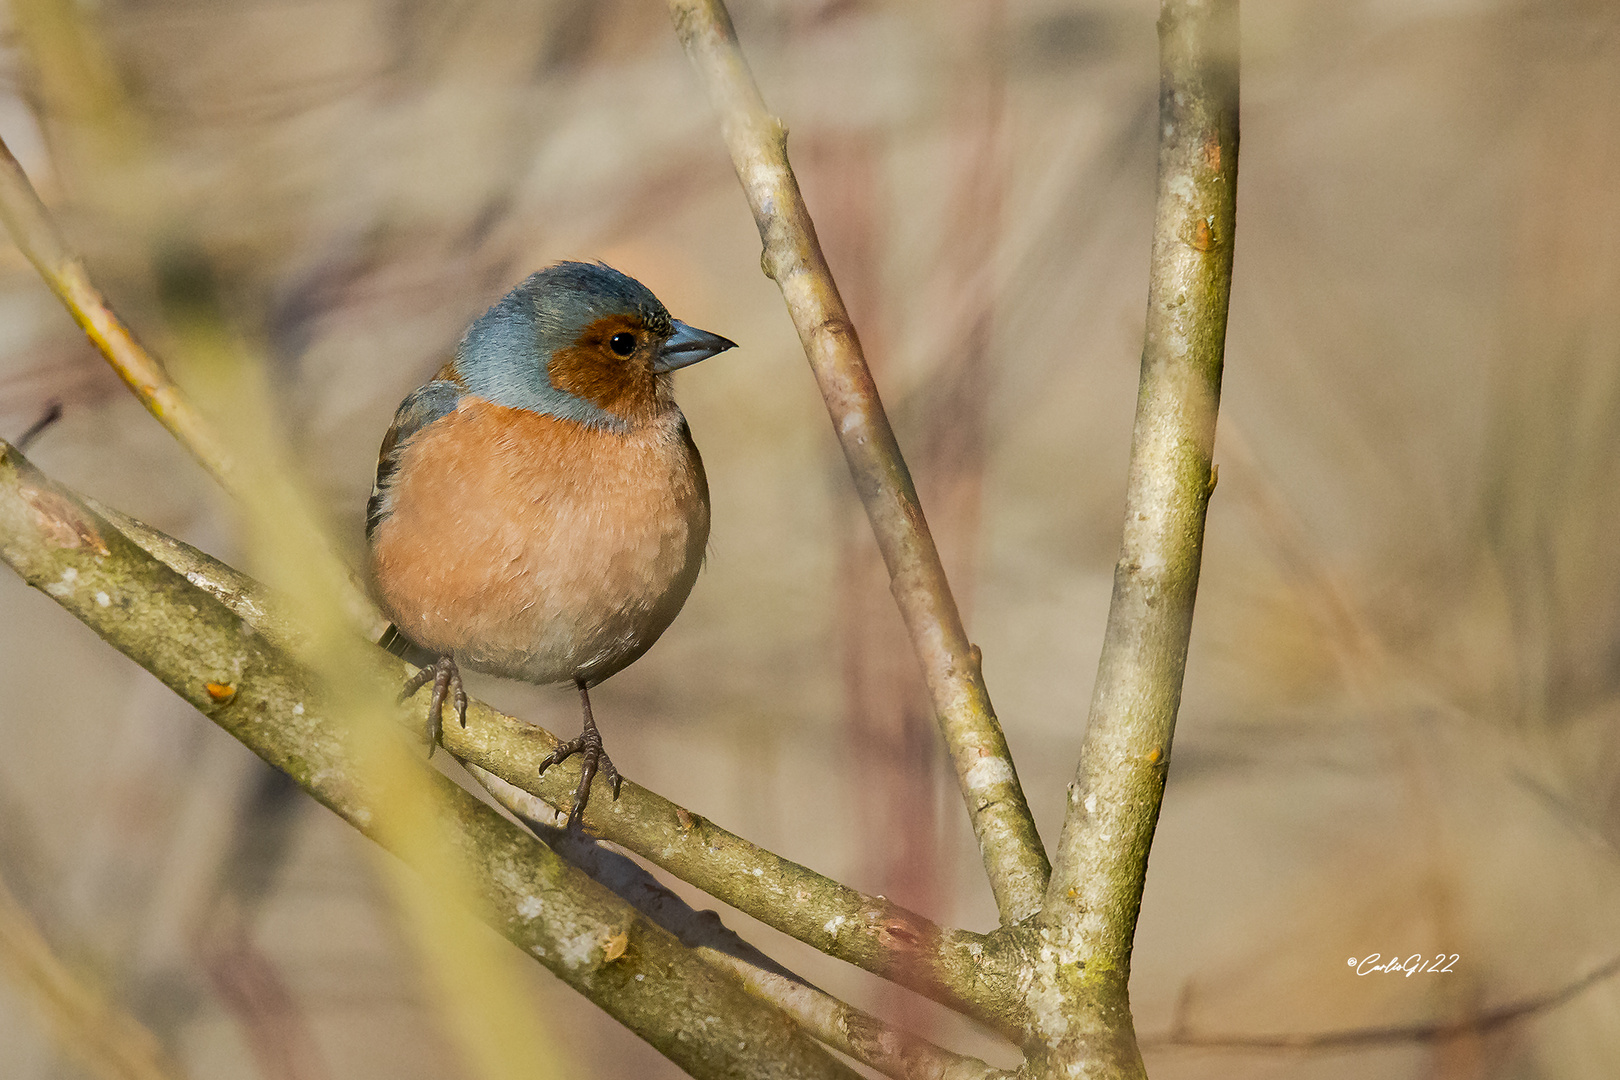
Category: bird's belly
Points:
column 539, row 549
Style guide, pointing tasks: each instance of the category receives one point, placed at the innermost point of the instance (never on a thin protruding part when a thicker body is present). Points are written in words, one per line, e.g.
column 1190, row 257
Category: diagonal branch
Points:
column 952, row 967
column 862, row 1036
column 634, row 970
column 1013, row 856
column 1089, row 919
column 962, row 970
column 965, row 971
column 38, row 238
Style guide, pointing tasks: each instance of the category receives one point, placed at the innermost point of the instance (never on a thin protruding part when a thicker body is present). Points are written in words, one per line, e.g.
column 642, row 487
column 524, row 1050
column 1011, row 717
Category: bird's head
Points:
column 583, row 342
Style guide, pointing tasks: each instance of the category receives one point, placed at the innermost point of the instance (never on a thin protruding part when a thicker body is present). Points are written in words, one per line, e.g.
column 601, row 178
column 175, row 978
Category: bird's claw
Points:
column 587, row 744
column 446, row 682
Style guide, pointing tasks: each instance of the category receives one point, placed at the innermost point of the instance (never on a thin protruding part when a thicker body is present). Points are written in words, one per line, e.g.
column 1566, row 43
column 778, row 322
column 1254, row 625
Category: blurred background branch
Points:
column 1450, row 1031
column 89, row 1028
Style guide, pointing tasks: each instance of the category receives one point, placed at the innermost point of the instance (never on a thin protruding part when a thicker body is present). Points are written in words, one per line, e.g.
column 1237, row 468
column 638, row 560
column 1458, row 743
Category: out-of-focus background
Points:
column 1399, row 734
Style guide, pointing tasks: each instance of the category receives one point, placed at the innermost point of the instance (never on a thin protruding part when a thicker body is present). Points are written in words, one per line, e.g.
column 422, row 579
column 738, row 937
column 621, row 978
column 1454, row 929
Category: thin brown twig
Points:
column 1011, row 848
column 1438, row 1031
column 52, row 413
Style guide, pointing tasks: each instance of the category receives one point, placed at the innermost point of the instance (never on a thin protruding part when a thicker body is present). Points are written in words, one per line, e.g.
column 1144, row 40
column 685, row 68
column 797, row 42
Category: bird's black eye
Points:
column 623, row 344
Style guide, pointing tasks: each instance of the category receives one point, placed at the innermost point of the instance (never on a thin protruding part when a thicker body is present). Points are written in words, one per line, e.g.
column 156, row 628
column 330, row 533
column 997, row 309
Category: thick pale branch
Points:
column 1011, row 848
column 949, row 966
column 1089, row 918
column 633, row 969
column 960, row 969
column 862, row 1036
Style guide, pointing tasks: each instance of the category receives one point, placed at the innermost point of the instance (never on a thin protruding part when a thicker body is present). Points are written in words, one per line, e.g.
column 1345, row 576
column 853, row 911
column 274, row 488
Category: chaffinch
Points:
column 540, row 510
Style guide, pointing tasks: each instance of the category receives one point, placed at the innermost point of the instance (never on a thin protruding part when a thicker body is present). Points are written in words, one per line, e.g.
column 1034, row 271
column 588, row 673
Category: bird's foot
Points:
column 446, row 682
column 587, row 744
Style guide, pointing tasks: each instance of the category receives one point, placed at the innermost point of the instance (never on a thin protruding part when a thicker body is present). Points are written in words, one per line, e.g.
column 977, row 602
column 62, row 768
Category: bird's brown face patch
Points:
column 597, row 369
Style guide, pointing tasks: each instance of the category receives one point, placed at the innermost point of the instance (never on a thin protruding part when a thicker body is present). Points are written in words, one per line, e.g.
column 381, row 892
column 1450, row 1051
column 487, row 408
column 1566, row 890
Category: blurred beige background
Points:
column 1399, row 729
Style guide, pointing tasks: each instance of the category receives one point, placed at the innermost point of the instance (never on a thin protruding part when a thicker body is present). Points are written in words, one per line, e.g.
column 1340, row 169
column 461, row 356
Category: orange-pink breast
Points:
column 539, row 548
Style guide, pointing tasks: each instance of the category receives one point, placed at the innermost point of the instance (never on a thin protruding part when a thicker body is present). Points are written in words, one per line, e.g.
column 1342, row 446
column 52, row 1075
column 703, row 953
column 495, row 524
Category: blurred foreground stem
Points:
column 634, row 970
column 37, row 237
column 109, row 1043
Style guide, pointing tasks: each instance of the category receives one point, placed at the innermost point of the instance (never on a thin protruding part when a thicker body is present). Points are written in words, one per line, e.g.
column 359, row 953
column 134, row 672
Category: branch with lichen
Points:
column 891, row 1051
column 840, row 1025
column 955, row 967
column 633, row 969
column 963, row 970
column 1013, row 855
column 1088, row 921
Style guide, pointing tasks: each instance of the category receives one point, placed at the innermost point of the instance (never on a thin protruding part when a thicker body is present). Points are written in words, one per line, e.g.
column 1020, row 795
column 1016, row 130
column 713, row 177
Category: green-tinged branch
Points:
column 862, row 1036
column 960, row 969
column 634, row 970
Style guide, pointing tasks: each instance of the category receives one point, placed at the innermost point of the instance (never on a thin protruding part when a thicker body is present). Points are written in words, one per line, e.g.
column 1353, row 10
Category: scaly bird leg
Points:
column 446, row 679
column 588, row 744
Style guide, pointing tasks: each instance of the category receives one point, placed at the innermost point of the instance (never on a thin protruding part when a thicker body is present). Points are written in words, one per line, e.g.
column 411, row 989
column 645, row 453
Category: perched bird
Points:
column 540, row 510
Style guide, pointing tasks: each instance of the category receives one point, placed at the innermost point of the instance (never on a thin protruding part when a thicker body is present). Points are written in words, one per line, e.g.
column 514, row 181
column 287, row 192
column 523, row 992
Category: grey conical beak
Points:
column 687, row 345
